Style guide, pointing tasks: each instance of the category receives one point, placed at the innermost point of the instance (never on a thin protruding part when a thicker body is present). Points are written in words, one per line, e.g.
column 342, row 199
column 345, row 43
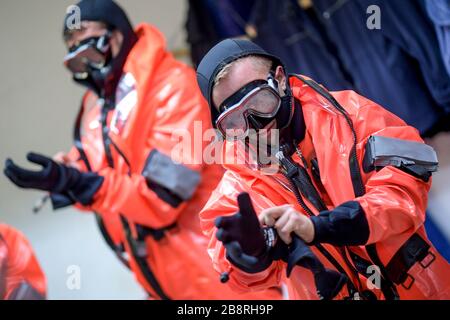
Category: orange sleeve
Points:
column 72, row 158
column 223, row 203
column 22, row 265
column 395, row 201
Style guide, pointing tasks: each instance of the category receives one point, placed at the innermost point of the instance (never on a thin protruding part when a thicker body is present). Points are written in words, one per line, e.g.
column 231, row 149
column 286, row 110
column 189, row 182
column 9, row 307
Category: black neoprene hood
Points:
column 110, row 13
column 106, row 11
column 221, row 55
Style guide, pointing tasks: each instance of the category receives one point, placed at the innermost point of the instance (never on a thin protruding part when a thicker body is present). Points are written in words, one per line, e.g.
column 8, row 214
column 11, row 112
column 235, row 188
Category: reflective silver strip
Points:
column 386, row 151
column 178, row 179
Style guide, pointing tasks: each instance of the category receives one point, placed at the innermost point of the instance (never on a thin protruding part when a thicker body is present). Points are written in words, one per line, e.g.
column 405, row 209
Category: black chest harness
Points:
column 414, row 250
column 137, row 245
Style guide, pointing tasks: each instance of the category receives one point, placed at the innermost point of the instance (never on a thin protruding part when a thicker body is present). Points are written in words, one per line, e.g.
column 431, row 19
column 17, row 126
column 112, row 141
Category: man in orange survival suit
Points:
column 21, row 277
column 121, row 165
column 353, row 184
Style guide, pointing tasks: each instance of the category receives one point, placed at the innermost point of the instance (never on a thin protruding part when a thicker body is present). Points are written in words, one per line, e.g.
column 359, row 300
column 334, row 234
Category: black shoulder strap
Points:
column 105, row 133
column 77, row 138
column 359, row 189
column 118, row 250
column 141, row 262
column 355, row 172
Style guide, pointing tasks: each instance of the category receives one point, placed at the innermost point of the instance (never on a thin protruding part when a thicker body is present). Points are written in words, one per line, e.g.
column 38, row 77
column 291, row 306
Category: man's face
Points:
column 262, row 137
column 89, row 29
column 241, row 73
column 94, row 29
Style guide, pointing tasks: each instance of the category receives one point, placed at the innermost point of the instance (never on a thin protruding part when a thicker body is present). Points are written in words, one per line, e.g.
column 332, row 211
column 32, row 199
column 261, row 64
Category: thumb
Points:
column 245, row 205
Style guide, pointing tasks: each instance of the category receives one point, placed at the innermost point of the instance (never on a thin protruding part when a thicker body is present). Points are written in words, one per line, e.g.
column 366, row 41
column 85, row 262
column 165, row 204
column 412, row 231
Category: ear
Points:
column 280, row 76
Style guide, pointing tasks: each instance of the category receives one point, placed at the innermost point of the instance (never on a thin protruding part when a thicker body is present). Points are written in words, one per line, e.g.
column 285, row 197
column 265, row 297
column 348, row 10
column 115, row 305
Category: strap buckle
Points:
column 428, row 260
column 424, row 263
column 407, row 285
column 140, row 247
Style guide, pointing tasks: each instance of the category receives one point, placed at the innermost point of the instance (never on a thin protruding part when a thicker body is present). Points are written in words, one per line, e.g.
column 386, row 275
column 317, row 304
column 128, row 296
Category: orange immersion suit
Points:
column 394, row 202
column 20, row 274
column 158, row 231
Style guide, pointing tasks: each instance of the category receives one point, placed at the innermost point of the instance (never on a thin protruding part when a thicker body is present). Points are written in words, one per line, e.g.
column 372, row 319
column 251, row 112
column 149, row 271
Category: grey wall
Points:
column 38, row 103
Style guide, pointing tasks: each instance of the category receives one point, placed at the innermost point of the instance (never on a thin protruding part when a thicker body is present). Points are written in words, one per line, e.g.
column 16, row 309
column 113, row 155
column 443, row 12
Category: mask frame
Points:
column 93, row 53
column 237, row 106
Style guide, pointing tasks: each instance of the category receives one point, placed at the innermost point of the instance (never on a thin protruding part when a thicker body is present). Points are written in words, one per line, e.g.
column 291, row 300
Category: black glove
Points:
column 248, row 245
column 55, row 178
column 328, row 282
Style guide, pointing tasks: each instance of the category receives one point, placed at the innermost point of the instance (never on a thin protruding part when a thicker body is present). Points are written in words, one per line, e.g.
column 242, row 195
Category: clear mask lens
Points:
column 91, row 55
column 263, row 102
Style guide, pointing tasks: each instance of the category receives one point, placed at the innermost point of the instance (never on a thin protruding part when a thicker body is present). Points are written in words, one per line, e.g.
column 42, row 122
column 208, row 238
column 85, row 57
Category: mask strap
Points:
column 272, row 81
column 103, row 42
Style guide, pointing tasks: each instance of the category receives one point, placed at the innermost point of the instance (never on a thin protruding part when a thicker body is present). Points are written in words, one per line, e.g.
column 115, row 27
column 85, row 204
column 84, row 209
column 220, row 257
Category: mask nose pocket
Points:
column 258, row 123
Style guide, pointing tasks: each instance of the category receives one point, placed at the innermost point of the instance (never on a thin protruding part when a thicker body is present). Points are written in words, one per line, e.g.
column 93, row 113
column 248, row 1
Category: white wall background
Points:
column 38, row 105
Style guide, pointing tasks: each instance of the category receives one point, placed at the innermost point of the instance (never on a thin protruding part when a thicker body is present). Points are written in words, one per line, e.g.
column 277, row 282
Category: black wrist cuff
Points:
column 86, row 187
column 60, row 201
column 345, row 225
